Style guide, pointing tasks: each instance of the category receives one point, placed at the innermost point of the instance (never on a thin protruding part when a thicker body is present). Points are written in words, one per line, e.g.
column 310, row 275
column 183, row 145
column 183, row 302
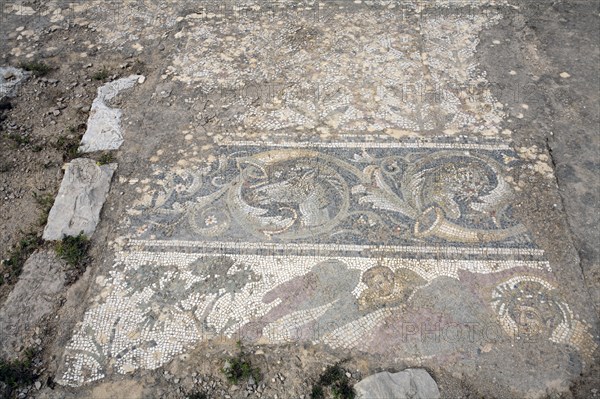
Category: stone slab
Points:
column 79, row 201
column 104, row 123
column 410, row 383
column 32, row 298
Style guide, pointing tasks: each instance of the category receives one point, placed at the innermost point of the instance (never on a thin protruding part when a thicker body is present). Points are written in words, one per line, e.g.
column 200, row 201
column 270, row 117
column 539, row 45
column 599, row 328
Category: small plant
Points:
column 334, row 380
column 240, row 368
column 69, row 145
column 105, row 158
column 101, row 74
column 197, row 395
column 17, row 373
column 19, row 139
column 38, row 68
column 45, row 202
column 19, row 254
column 74, row 250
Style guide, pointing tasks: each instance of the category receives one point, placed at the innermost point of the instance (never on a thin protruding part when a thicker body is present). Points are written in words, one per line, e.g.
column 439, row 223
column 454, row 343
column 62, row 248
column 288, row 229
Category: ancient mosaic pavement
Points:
column 277, row 235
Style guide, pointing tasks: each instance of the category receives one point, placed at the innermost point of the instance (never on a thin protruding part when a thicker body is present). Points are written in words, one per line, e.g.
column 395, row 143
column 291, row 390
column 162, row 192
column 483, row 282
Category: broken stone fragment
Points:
column 80, row 199
column 104, row 123
column 410, row 383
column 10, row 79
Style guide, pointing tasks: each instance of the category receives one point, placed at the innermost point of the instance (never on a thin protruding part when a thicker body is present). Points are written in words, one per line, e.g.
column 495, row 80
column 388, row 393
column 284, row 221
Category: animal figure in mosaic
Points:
column 299, row 188
column 287, row 194
column 220, row 276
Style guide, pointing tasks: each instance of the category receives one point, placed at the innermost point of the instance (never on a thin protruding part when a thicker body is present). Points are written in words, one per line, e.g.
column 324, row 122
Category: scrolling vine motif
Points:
column 299, row 194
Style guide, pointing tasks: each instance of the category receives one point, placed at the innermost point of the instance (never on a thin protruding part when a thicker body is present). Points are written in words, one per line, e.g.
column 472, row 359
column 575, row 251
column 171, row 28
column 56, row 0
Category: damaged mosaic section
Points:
column 353, row 69
column 156, row 305
column 337, row 225
column 329, row 244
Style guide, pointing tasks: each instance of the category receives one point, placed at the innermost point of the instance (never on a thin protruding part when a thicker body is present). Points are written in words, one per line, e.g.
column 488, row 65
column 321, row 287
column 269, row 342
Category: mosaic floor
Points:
column 375, row 168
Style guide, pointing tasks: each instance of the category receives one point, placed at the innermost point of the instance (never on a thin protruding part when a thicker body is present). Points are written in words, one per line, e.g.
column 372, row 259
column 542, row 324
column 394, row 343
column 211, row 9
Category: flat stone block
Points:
column 30, row 300
column 82, row 193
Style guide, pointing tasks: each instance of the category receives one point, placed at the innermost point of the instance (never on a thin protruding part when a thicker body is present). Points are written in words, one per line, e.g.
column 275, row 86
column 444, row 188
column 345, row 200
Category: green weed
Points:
column 38, row 68
column 19, row 254
column 74, row 250
column 102, row 74
column 106, row 158
column 240, row 368
column 335, row 381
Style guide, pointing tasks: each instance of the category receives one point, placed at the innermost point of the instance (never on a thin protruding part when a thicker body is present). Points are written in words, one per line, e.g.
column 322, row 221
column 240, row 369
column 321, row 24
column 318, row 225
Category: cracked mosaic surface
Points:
column 327, row 245
column 359, row 70
column 326, row 240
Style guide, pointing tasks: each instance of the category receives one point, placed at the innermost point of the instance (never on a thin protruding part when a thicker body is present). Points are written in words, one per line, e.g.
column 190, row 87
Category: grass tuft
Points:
column 45, row 202
column 38, row 68
column 74, row 250
column 17, row 373
column 335, row 381
column 106, row 158
column 69, row 145
column 13, row 266
column 18, row 138
column 240, row 368
column 102, row 74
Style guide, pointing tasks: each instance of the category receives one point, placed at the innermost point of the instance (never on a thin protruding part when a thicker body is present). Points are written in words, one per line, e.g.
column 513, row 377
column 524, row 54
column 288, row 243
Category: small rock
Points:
column 141, row 79
column 410, row 383
column 8, row 75
column 38, row 385
column 564, row 75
